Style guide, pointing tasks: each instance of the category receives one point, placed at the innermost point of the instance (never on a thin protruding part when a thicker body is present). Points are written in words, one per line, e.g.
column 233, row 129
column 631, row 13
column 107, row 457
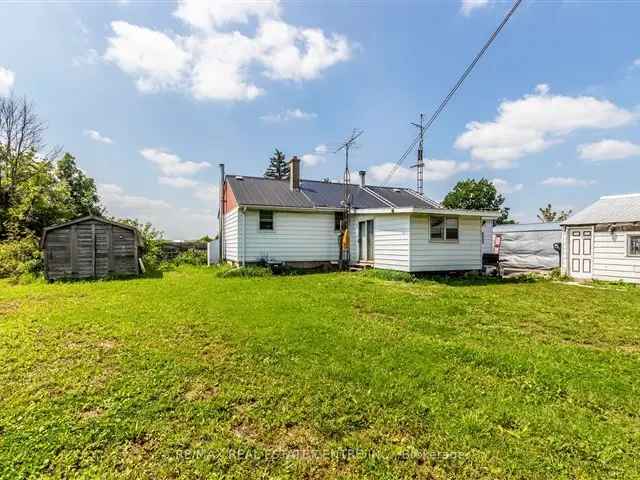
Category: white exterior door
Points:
column 580, row 252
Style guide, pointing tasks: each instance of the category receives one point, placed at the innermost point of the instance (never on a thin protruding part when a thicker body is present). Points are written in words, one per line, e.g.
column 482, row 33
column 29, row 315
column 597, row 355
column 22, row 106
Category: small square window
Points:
column 266, row 220
column 634, row 246
column 437, row 228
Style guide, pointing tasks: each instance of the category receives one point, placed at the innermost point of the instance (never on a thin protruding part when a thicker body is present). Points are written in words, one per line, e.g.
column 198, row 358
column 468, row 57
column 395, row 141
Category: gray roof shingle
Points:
column 613, row 209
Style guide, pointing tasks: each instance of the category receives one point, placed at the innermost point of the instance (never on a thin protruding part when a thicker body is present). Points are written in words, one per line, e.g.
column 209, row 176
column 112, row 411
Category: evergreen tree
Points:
column 278, row 167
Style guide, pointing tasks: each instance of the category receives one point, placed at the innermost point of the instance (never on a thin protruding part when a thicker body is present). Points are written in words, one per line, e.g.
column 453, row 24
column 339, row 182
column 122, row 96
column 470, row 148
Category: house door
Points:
column 365, row 241
column 580, row 252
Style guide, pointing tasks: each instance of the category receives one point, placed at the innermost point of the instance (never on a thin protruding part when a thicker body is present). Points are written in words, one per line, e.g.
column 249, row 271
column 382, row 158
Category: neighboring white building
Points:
column 298, row 222
column 602, row 242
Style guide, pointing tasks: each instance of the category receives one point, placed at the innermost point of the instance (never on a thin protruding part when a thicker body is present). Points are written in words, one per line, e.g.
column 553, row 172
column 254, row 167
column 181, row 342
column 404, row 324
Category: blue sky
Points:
column 150, row 96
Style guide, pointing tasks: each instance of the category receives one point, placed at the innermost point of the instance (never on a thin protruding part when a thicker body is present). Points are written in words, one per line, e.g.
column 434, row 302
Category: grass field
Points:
column 318, row 376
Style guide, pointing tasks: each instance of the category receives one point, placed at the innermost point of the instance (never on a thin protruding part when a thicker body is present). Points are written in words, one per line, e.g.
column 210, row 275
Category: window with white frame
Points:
column 266, row 220
column 443, row 228
column 633, row 247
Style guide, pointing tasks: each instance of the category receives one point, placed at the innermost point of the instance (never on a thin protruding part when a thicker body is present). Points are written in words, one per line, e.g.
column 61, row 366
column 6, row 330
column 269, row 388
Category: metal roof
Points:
column 403, row 197
column 328, row 194
column 260, row 191
column 611, row 209
column 527, row 227
column 266, row 191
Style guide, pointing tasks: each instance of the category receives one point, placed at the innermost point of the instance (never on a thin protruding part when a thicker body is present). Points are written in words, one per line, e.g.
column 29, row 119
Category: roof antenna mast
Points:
column 347, row 145
column 420, row 163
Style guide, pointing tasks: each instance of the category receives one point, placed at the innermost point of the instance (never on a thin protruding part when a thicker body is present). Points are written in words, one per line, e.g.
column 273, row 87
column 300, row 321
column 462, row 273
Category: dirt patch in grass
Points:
column 90, row 414
column 201, row 392
column 107, row 344
column 9, row 307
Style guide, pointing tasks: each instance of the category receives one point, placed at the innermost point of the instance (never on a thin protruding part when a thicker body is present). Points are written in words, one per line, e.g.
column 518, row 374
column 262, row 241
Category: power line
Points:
column 455, row 88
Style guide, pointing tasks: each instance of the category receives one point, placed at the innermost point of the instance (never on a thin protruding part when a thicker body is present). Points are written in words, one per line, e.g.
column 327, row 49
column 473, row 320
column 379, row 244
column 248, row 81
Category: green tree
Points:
column 480, row 194
column 152, row 239
column 82, row 189
column 278, row 167
column 549, row 215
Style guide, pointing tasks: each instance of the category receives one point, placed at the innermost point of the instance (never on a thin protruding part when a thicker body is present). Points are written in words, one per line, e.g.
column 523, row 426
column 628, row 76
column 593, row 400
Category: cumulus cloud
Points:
column 170, row 164
column 214, row 63
column 177, row 223
column 434, row 170
column 315, row 158
column 156, row 60
column 468, row 6
column 608, row 150
column 177, row 182
column 294, row 114
column 567, row 182
column 505, row 187
column 97, row 136
column 7, row 79
column 534, row 123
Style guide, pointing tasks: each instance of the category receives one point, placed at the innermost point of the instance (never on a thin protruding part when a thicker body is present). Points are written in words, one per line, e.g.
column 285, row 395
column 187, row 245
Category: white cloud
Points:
column 317, row 157
column 505, row 187
column 216, row 64
column 636, row 63
column 177, row 182
column 7, row 79
column 206, row 193
column 155, row 59
column 177, row 223
column 91, row 57
column 434, row 170
column 567, row 182
column 467, row 6
column 207, row 15
column 534, row 123
column 294, row 114
column 172, row 165
column 97, row 136
column 608, row 150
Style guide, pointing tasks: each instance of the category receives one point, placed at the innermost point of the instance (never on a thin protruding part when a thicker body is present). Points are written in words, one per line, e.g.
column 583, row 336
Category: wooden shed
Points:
column 90, row 247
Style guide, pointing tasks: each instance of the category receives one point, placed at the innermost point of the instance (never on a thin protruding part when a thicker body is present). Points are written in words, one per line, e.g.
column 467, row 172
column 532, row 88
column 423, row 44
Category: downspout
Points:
column 221, row 216
column 244, row 236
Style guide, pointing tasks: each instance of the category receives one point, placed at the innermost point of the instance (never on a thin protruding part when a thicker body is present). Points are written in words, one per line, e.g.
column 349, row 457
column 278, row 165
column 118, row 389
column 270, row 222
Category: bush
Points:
column 244, row 272
column 190, row 257
column 391, row 275
column 20, row 257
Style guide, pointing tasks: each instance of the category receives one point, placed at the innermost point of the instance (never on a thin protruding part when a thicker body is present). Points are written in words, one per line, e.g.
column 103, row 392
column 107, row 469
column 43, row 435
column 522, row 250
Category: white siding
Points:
column 296, row 237
column 465, row 254
column 390, row 241
column 487, row 237
column 230, row 236
column 564, row 257
column 610, row 260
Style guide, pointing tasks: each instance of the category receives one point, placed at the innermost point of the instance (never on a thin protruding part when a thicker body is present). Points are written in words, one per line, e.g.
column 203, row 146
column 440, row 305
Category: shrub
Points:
column 191, row 257
column 250, row 271
column 20, row 257
column 392, row 275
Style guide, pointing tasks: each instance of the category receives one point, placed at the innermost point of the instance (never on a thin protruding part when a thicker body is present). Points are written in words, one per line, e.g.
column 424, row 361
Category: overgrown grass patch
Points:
column 333, row 375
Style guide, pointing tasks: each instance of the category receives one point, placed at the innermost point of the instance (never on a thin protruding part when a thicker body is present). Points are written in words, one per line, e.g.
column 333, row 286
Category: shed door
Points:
column 580, row 252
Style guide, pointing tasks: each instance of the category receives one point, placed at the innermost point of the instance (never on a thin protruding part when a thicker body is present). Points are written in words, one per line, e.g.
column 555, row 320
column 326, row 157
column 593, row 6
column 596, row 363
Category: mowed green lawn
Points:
column 318, row 376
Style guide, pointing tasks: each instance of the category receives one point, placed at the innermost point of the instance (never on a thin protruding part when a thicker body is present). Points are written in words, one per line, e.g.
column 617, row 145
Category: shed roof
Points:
column 91, row 217
column 610, row 209
column 260, row 191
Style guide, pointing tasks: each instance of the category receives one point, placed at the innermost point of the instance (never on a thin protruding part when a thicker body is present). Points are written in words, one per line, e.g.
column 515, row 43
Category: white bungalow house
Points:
column 602, row 242
column 298, row 222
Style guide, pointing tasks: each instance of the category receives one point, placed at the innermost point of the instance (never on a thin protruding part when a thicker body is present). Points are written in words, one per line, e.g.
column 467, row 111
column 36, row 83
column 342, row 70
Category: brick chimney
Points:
column 363, row 174
column 294, row 174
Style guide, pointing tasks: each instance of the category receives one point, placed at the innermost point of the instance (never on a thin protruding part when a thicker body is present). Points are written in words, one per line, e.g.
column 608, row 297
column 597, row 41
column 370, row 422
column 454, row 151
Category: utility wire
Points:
column 455, row 88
